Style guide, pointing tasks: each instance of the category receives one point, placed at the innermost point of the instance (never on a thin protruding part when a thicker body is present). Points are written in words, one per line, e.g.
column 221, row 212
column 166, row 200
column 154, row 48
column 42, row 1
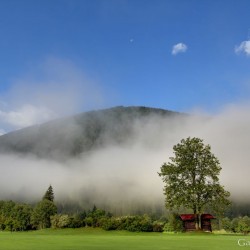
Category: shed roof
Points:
column 186, row 217
column 207, row 216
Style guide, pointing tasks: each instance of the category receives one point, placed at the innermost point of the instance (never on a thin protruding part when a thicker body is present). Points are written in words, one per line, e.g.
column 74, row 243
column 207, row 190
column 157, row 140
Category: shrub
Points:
column 77, row 220
column 110, row 224
column 243, row 225
column 60, row 221
column 174, row 224
column 234, row 225
column 89, row 222
column 158, row 226
column 226, row 224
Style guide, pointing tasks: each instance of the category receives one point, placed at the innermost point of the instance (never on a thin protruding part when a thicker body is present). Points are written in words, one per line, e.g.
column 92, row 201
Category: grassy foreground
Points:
column 93, row 239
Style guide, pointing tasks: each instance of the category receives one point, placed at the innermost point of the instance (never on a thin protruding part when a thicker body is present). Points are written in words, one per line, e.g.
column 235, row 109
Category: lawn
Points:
column 93, row 239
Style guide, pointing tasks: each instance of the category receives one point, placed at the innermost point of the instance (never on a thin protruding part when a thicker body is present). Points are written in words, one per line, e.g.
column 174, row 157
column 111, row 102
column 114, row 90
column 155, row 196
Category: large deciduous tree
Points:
column 191, row 178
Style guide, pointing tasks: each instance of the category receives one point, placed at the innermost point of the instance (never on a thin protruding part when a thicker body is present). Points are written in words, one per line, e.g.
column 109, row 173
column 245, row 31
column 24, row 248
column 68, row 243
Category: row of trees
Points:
column 237, row 225
column 20, row 217
column 99, row 218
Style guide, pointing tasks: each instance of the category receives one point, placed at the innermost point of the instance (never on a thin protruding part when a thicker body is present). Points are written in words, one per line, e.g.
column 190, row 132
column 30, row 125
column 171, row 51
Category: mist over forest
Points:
column 111, row 157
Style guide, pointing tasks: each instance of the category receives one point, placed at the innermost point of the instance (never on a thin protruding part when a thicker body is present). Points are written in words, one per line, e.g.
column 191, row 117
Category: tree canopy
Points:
column 191, row 178
column 42, row 213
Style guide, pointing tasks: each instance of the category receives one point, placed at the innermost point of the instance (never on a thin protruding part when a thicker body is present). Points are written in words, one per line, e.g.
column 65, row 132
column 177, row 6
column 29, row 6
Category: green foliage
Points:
column 94, row 217
column 49, row 194
column 89, row 221
column 234, row 224
column 237, row 225
column 21, row 216
column 243, row 225
column 14, row 217
column 60, row 221
column 77, row 220
column 6, row 208
column 174, row 224
column 226, row 224
column 42, row 213
column 158, row 226
column 191, row 178
column 110, row 224
column 132, row 224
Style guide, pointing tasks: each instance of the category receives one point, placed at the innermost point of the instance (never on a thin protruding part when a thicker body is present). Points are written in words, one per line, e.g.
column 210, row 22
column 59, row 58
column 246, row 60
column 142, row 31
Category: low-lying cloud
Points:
column 123, row 176
column 25, row 116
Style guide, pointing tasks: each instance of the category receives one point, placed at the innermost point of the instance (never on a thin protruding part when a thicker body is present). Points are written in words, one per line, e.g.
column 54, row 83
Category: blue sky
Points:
column 59, row 57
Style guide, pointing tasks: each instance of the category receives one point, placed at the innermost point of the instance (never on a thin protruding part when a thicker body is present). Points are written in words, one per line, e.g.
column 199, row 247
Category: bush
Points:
column 110, row 224
column 136, row 224
column 168, row 227
column 89, row 222
column 234, row 225
column 158, row 226
column 226, row 224
column 94, row 217
column 243, row 225
column 174, row 224
column 77, row 220
column 60, row 221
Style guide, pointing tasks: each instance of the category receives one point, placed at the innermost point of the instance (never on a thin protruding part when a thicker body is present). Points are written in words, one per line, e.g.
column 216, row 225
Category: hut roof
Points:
column 186, row 217
column 207, row 216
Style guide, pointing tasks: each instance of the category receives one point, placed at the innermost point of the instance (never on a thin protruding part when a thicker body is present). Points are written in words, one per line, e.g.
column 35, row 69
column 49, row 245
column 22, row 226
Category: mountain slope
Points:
column 72, row 136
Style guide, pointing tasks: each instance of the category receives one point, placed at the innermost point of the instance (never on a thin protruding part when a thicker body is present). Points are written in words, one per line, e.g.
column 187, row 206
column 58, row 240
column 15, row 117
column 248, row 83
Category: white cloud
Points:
column 54, row 88
column 25, row 116
column 244, row 47
column 179, row 48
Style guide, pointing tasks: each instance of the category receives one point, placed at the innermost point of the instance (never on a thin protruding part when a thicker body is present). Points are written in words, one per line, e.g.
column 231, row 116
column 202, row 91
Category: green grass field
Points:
column 93, row 239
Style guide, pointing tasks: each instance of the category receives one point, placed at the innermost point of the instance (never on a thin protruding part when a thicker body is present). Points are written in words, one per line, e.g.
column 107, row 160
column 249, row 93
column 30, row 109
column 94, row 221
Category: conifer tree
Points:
column 49, row 194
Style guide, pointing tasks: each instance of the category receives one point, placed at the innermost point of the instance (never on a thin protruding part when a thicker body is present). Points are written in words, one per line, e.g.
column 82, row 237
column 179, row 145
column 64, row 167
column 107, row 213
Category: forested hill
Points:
column 71, row 136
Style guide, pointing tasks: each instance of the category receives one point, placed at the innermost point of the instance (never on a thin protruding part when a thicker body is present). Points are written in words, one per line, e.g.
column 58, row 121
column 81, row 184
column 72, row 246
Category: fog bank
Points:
column 125, row 175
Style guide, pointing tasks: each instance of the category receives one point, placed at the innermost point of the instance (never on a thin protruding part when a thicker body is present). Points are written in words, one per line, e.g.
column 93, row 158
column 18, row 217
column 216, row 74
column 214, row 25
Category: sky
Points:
column 61, row 57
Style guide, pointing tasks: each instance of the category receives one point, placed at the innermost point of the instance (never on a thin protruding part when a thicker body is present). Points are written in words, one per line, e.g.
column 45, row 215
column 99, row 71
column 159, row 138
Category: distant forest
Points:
column 22, row 217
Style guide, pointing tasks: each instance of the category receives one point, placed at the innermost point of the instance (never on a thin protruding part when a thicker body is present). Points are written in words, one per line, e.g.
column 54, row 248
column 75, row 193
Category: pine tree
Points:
column 49, row 194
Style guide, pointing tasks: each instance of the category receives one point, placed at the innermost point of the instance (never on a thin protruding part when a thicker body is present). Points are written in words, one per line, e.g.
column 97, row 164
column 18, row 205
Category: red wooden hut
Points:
column 189, row 222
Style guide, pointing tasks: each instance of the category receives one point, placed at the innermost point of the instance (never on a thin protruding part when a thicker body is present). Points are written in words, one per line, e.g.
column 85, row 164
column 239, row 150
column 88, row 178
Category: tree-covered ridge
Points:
column 71, row 136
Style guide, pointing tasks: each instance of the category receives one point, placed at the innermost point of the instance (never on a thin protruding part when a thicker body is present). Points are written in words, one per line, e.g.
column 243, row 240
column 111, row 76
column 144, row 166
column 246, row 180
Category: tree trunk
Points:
column 197, row 217
column 199, row 221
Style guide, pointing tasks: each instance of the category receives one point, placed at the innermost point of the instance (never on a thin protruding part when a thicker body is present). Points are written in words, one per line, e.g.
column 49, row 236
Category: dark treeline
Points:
column 22, row 217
